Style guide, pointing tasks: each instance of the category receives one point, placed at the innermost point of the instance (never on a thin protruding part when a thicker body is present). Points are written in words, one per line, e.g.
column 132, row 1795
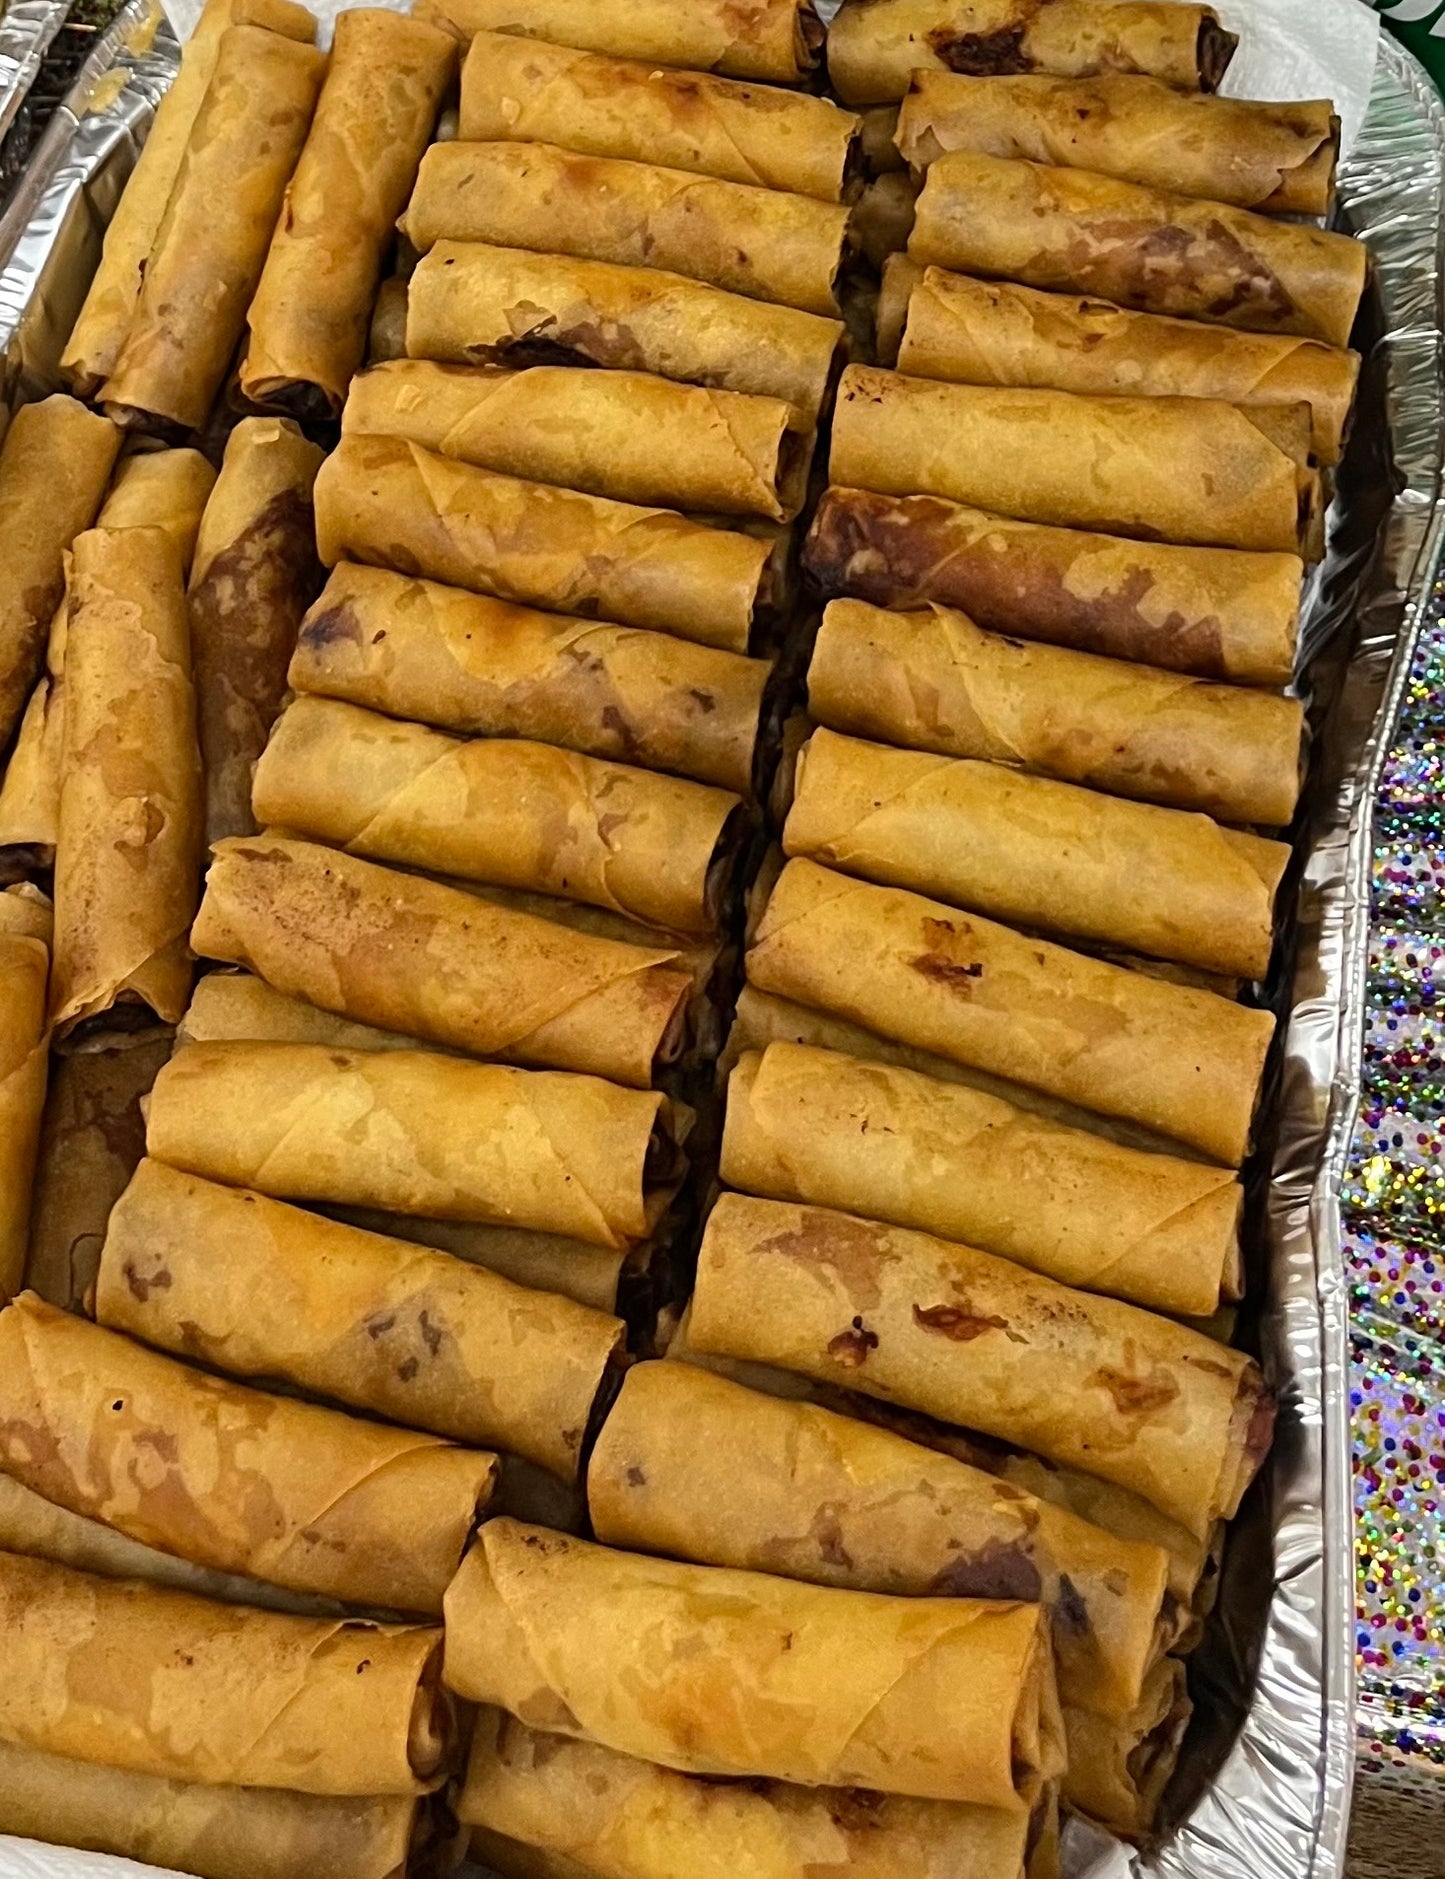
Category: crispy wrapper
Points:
column 542, row 1262
column 765, row 243
column 95, row 340
column 1118, row 1770
column 435, row 962
column 935, row 681
column 813, row 1125
column 654, row 848
column 1279, row 158
column 164, row 1683
column 260, row 1289
column 255, row 574
column 1070, row 461
column 997, row 333
column 392, row 504
column 211, row 244
column 737, row 1673
column 415, row 649
column 1038, row 853
column 1144, row 248
column 414, row 1133
column 794, row 1489
column 25, row 933
column 976, row 1340
column 631, row 1819
column 628, row 435
column 874, row 46
column 1182, row 1062
column 471, row 304
column 898, row 277
column 531, row 92
column 128, row 846
column 232, row 1478
column 165, row 489
column 883, row 216
column 54, row 464
column 771, row 39
column 309, row 318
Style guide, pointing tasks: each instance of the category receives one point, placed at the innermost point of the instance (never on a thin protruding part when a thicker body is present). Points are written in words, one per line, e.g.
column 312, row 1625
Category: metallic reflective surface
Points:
column 26, row 30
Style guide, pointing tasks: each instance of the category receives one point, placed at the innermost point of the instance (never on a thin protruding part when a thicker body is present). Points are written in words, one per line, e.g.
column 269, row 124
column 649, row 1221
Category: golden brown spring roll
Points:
column 1143, row 248
column 54, row 464
column 166, row 489
column 631, row 1819
column 525, row 815
column 1185, row 1063
column 418, row 1134
column 627, row 435
column 252, row 1699
column 874, row 46
column 720, row 1672
column 1088, row 1381
column 531, row 92
column 1118, row 1771
column 413, row 955
column 1038, row 853
column 471, row 304
column 260, row 1289
column 997, row 333
column 1070, row 461
column 812, row 1125
column 208, row 252
column 1279, row 158
column 898, row 277
column 793, row 1489
column 770, row 39
column 392, row 504
column 95, row 340
column 128, row 846
column 25, row 934
column 542, row 1262
column 308, row 321
column 1221, row 750
column 765, row 243
column 255, row 574
column 416, row 649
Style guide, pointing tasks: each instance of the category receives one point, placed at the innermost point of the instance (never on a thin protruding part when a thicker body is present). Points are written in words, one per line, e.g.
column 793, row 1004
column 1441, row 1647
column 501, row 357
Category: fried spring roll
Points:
column 1118, row 1771
column 530, row 92
column 1143, row 248
column 719, row 1672
column 627, row 435
column 1125, row 729
column 392, row 504
column 25, row 934
column 211, row 245
column 874, row 46
column 413, row 955
column 253, row 1699
column 542, row 1262
column 165, row 489
column 414, row 1133
column 471, row 304
column 308, row 321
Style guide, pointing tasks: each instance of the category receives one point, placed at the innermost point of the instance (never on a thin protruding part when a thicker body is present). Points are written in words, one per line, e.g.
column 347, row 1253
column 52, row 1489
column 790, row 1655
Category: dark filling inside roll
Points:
column 1213, row 52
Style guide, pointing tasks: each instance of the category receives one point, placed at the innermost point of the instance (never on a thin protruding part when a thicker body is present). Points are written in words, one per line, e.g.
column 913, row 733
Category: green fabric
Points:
column 1420, row 25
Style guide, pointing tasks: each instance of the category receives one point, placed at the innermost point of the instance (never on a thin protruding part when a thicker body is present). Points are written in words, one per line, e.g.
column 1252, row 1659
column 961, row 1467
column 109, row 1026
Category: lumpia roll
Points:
column 1118, row 1771
column 628, row 435
column 253, row 1699
column 1054, row 457
column 413, row 955
column 206, row 259
column 813, row 1125
column 308, row 321
column 392, row 504
column 260, row 1289
column 1217, row 749
column 530, row 92
column 772, row 39
column 25, row 933
column 165, row 489
column 1144, row 248
column 386, row 335
column 543, row 1262
column 800, row 1491
column 471, row 304
column 128, row 845
column 976, row 1340
column 737, row 1673
column 874, row 46
column 54, row 465
column 419, row 1134
column 254, row 576
column 898, row 278
column 415, row 649
column 632, row 1819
